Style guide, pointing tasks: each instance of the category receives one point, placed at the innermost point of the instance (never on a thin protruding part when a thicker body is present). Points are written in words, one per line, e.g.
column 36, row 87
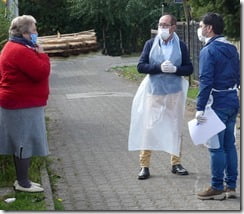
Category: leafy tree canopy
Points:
column 122, row 25
column 228, row 9
column 51, row 15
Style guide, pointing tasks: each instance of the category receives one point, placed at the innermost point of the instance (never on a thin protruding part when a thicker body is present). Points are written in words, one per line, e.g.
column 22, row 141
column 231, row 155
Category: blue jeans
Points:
column 224, row 159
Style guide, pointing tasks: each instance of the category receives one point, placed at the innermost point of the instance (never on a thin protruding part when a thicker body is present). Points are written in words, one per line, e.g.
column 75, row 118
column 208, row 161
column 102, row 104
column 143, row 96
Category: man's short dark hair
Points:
column 215, row 20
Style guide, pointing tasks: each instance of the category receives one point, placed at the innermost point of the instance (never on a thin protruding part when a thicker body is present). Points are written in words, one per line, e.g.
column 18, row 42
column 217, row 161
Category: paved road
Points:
column 89, row 111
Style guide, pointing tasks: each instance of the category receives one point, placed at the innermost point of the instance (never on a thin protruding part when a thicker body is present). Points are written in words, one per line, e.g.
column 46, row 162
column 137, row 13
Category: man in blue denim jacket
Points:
column 219, row 79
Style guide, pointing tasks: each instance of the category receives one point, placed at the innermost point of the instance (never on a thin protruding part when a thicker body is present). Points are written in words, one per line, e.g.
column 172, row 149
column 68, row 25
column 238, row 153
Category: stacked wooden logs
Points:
column 69, row 44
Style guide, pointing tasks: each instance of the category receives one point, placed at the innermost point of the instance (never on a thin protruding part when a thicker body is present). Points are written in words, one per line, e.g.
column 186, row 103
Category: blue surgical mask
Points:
column 34, row 38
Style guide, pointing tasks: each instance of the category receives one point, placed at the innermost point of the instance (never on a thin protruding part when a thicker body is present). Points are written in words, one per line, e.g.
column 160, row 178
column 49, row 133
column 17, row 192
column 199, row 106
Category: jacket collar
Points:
column 212, row 39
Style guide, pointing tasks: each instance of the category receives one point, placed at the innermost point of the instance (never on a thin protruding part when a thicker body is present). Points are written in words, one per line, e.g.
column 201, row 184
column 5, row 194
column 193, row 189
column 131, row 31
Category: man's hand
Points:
column 168, row 67
column 200, row 118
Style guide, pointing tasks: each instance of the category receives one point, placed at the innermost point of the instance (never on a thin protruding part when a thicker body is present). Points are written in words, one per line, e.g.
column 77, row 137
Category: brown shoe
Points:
column 230, row 192
column 211, row 193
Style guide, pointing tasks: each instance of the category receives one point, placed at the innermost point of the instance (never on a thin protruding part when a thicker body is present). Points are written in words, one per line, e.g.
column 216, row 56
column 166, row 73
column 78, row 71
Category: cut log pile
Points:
column 69, row 44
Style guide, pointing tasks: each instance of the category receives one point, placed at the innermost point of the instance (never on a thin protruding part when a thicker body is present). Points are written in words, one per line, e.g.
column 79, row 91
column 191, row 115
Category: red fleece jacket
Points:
column 24, row 77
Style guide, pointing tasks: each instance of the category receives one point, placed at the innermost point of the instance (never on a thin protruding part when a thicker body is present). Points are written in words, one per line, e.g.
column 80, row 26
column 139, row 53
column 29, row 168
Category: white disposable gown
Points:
column 157, row 120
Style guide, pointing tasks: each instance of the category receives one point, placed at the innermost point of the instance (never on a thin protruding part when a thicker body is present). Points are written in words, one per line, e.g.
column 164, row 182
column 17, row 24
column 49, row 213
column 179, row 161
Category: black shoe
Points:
column 179, row 170
column 144, row 173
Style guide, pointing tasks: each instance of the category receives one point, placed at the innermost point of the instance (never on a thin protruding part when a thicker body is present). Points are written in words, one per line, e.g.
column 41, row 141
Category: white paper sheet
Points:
column 201, row 133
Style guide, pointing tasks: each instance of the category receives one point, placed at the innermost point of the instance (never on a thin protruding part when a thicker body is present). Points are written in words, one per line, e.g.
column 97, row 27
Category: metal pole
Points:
column 162, row 9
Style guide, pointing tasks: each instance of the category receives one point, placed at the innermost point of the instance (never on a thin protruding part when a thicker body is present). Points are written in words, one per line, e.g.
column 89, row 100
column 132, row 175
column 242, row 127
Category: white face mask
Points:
column 200, row 36
column 164, row 33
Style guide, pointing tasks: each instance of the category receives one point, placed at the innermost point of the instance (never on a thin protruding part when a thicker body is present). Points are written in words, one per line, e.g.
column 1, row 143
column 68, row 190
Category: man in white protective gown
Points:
column 158, row 106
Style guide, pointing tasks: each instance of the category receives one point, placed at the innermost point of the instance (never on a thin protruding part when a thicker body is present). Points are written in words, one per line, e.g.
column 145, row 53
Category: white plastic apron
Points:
column 213, row 143
column 156, row 120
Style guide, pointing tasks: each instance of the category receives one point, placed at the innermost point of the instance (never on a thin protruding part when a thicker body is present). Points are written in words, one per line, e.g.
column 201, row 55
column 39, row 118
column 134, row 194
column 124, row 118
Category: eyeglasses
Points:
column 161, row 25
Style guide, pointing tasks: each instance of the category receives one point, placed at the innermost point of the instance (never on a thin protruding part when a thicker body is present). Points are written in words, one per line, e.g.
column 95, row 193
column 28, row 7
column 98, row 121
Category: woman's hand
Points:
column 39, row 49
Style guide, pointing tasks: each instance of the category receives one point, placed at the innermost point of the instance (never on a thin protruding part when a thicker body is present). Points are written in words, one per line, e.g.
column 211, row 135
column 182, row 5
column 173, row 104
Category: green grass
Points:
column 192, row 92
column 7, row 170
column 131, row 73
column 128, row 72
column 58, row 204
column 24, row 200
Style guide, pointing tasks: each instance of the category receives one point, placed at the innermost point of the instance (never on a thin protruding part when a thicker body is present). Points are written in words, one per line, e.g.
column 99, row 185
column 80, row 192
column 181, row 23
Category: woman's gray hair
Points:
column 21, row 25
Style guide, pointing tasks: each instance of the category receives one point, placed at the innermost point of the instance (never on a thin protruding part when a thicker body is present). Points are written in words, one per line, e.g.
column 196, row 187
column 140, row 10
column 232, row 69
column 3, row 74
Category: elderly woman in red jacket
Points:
column 24, row 89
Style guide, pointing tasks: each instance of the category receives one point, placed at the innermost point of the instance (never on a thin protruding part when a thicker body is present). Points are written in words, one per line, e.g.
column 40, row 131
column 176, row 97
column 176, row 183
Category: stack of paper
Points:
column 201, row 133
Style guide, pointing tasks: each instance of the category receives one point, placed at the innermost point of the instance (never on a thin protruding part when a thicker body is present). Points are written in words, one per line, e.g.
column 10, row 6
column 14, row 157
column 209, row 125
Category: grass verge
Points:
column 24, row 201
column 128, row 72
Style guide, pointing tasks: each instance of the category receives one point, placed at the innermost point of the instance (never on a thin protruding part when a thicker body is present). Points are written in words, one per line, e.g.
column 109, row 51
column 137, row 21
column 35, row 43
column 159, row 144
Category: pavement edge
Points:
column 47, row 188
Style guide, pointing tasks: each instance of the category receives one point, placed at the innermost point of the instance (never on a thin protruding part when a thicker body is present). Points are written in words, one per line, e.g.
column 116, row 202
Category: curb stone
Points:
column 47, row 188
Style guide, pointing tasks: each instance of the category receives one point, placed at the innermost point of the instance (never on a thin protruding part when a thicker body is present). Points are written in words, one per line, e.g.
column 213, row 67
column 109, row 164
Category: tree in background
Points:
column 51, row 15
column 228, row 9
column 105, row 16
column 121, row 26
column 4, row 24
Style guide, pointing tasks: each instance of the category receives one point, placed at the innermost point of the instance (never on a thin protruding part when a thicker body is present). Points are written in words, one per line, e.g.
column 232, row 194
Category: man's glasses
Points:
column 164, row 25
